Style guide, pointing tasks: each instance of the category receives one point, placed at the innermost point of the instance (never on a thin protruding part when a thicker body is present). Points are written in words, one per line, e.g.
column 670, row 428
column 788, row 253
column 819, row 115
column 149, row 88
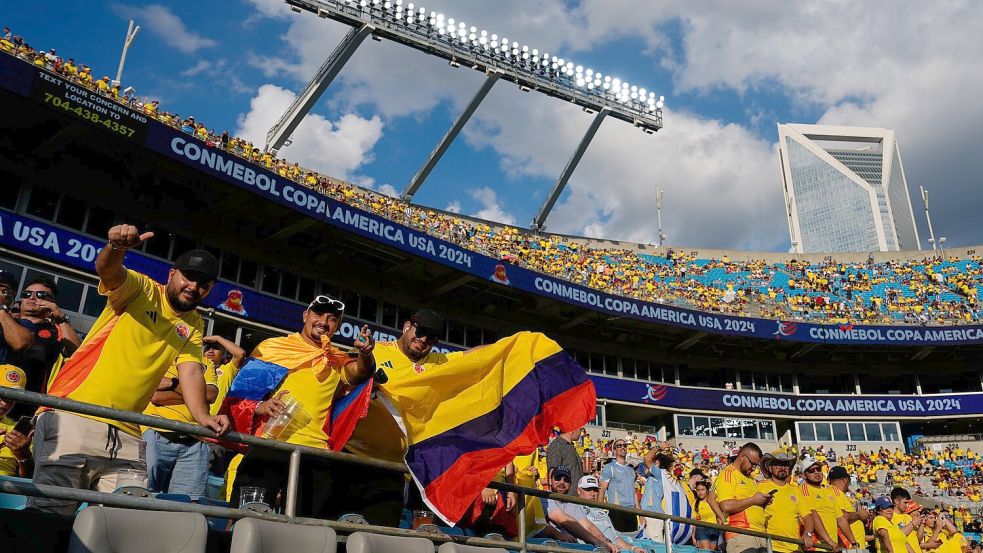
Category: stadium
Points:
column 705, row 349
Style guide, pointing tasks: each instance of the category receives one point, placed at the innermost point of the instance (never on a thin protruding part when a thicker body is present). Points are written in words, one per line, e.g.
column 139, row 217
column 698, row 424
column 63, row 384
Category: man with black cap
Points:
column 16, row 337
column 145, row 329
column 839, row 483
column 378, row 495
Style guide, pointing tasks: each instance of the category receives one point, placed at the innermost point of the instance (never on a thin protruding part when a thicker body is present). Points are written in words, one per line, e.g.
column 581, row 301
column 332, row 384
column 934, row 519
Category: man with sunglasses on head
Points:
column 617, row 487
column 145, row 329
column 316, row 372
column 53, row 332
column 738, row 497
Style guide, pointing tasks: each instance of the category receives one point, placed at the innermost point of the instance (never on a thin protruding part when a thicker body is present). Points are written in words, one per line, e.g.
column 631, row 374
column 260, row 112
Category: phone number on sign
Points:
column 87, row 114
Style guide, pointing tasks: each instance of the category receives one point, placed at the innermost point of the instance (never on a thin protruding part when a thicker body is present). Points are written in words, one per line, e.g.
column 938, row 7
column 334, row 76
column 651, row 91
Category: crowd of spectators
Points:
column 928, row 291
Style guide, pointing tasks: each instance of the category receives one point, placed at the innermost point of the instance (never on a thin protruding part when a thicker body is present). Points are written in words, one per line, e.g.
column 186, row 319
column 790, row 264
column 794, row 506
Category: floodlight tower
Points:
column 497, row 58
column 658, row 211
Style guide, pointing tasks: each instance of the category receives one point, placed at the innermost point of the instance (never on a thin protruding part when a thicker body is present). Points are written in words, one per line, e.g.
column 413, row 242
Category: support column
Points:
column 417, row 181
column 561, row 182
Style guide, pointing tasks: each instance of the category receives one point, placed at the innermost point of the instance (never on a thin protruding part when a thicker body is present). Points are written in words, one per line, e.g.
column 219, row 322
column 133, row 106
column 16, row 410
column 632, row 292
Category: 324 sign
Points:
column 88, row 105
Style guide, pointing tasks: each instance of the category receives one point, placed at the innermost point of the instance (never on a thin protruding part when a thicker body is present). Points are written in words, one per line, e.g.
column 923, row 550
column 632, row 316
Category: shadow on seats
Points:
column 250, row 535
column 363, row 542
column 108, row 530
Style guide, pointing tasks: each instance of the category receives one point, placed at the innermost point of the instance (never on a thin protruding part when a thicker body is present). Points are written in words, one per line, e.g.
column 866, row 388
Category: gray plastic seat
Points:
column 109, row 530
column 250, row 535
column 363, row 542
column 451, row 547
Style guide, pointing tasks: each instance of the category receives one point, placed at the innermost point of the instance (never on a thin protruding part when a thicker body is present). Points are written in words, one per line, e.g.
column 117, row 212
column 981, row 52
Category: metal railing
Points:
column 293, row 476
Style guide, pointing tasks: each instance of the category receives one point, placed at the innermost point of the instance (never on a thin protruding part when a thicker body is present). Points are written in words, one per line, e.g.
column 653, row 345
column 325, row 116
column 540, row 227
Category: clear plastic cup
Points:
column 251, row 494
column 131, row 478
column 422, row 517
column 293, row 415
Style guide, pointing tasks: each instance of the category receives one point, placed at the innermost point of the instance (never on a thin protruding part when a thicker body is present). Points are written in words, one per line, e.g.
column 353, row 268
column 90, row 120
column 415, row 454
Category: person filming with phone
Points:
column 15, row 437
column 52, row 329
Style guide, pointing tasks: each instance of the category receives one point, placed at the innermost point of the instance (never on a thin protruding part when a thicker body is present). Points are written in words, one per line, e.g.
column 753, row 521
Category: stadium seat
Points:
column 250, row 535
column 363, row 542
column 108, row 530
column 451, row 547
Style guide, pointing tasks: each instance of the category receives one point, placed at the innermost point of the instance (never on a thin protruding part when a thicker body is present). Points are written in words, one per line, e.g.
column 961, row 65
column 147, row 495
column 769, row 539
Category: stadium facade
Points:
column 845, row 190
column 696, row 377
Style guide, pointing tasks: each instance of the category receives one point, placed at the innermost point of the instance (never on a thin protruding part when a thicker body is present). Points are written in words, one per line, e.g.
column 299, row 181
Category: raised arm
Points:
column 109, row 262
column 233, row 349
column 364, row 365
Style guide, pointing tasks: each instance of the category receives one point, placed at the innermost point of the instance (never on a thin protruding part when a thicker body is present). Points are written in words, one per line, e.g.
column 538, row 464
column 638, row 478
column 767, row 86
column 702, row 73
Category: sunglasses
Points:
column 324, row 304
column 620, row 445
column 562, row 479
column 39, row 294
column 813, row 469
column 426, row 332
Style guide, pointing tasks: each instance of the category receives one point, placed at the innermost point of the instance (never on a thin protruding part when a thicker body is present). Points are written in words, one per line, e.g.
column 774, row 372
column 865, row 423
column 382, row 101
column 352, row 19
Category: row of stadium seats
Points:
column 929, row 291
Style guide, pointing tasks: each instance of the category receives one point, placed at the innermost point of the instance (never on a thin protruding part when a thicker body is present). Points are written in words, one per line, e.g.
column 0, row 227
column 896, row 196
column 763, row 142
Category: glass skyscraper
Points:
column 845, row 190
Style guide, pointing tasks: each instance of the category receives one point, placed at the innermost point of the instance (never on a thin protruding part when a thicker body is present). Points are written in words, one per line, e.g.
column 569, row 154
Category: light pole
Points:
column 941, row 249
column 658, row 211
column 931, row 233
column 131, row 33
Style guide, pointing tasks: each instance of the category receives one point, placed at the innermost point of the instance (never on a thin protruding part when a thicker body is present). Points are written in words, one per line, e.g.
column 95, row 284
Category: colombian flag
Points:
column 262, row 374
column 478, row 411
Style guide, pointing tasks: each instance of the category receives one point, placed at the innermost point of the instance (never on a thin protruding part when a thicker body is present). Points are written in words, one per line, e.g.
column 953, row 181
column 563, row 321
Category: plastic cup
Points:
column 422, row 517
column 251, row 494
column 131, row 478
column 293, row 415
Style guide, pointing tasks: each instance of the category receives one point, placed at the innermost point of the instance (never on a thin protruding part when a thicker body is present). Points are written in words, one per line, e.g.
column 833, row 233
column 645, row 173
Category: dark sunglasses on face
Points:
column 426, row 332
column 620, row 445
column 39, row 294
column 562, row 479
column 813, row 469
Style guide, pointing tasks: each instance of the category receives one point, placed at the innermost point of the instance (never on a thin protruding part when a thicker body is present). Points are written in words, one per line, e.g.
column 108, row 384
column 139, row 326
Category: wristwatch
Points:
column 60, row 320
column 174, row 384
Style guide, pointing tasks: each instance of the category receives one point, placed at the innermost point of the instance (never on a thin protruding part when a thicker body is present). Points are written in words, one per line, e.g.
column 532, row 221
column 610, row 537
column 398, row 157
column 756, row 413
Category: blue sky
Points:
column 729, row 70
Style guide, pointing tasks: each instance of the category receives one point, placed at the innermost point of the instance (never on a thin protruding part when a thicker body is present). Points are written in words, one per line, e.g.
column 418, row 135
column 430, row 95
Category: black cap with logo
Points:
column 198, row 265
column 428, row 323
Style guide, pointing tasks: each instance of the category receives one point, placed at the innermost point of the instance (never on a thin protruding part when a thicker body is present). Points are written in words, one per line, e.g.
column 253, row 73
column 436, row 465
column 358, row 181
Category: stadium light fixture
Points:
column 454, row 40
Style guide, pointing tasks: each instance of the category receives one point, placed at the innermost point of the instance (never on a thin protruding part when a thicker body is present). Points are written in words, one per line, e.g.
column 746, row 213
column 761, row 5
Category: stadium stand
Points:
column 902, row 291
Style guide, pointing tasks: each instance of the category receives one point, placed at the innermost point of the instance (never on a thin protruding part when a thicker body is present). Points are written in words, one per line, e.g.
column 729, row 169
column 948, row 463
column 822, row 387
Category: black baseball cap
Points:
column 836, row 473
column 428, row 323
column 561, row 471
column 198, row 265
column 324, row 303
column 9, row 279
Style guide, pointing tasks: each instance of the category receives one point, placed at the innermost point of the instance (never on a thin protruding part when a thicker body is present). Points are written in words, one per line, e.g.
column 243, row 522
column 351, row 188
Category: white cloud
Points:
column 453, row 207
column 162, row 22
column 490, row 207
column 389, row 190
column 335, row 148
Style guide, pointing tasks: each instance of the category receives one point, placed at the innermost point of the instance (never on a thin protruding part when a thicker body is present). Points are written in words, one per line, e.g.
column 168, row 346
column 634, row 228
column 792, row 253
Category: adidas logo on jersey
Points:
column 152, row 315
column 388, row 364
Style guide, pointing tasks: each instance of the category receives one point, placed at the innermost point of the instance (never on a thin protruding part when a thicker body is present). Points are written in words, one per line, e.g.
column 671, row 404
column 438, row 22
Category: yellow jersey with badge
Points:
column 821, row 500
column 903, row 519
column 134, row 341
column 895, row 535
column 179, row 412
column 732, row 484
column 378, row 435
column 783, row 516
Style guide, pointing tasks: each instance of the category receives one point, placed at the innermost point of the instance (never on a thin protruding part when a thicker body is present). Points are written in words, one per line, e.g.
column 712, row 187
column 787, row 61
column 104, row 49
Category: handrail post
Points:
column 667, row 532
column 768, row 544
column 521, row 499
column 293, row 481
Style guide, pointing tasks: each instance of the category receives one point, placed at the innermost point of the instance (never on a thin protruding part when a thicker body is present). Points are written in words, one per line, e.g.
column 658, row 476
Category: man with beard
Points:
column 378, row 495
column 316, row 373
column 144, row 329
column 787, row 515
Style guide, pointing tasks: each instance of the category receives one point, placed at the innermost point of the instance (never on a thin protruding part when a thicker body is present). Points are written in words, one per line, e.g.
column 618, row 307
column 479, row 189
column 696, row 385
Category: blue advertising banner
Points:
column 756, row 403
column 79, row 251
column 189, row 151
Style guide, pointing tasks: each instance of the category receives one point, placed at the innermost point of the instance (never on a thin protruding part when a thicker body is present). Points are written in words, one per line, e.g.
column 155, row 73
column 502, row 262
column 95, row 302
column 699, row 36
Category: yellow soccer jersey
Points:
column 844, row 505
column 8, row 463
column 731, row 484
column 378, row 435
column 134, row 341
column 178, row 412
column 784, row 514
column 224, row 376
column 821, row 500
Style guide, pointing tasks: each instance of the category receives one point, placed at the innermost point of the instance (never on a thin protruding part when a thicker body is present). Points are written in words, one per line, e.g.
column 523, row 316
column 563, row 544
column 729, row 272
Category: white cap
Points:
column 807, row 463
column 588, row 482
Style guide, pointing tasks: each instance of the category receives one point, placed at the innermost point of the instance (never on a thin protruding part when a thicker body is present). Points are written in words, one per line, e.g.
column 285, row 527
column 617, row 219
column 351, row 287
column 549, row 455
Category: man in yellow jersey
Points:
column 907, row 523
column 787, row 515
column 226, row 356
column 839, row 483
column 828, row 519
column 738, row 496
column 379, row 495
column 15, row 447
column 145, row 329
column 316, row 370
column 889, row 538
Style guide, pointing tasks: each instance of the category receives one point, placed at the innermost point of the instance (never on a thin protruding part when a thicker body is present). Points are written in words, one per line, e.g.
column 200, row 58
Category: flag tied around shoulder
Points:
column 262, row 374
column 470, row 418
